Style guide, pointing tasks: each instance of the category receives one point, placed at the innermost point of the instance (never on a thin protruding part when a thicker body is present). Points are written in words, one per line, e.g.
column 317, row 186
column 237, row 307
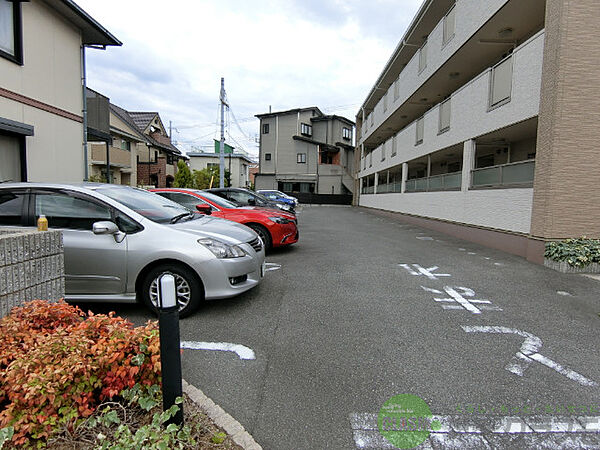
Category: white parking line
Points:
column 528, row 353
column 480, row 431
column 428, row 272
column 241, row 350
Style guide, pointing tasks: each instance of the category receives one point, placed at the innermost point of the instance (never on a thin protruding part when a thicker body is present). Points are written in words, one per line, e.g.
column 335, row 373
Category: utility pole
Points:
column 222, row 143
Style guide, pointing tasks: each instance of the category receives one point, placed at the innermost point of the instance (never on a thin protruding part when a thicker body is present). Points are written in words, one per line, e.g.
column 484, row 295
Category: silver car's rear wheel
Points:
column 188, row 288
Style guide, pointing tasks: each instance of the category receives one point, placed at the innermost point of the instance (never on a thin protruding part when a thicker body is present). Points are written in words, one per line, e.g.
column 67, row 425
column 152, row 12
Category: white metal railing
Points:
column 517, row 173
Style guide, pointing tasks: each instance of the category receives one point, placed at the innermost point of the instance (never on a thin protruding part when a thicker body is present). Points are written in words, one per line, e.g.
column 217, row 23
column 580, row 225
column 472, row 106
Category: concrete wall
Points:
column 31, row 267
column 503, row 209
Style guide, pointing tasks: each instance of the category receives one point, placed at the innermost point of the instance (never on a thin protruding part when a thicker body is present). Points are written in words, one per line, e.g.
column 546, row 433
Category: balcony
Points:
column 506, row 175
column 469, row 113
column 449, row 63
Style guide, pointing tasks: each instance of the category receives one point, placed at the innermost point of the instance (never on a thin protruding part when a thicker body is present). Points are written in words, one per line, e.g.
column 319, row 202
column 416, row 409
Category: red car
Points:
column 275, row 227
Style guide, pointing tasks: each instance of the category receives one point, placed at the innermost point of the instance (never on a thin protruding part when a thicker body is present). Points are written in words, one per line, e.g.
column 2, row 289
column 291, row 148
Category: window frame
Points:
column 420, row 122
column 17, row 57
column 442, row 128
column 267, row 157
column 423, row 56
column 346, row 133
column 305, row 129
column 491, row 104
column 300, row 158
column 446, row 37
column 265, row 128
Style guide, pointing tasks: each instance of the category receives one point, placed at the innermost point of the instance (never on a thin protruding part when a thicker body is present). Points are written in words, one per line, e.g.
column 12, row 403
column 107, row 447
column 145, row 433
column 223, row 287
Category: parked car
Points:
column 246, row 197
column 119, row 241
column 279, row 196
column 276, row 228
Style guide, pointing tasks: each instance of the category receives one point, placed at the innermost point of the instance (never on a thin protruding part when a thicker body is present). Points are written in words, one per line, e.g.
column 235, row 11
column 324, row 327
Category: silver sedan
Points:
column 120, row 240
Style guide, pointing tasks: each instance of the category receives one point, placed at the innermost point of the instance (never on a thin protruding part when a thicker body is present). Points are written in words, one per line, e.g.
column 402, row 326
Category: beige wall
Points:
column 51, row 73
column 566, row 199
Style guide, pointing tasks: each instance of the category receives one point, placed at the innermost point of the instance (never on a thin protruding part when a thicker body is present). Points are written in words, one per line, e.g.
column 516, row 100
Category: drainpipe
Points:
column 84, row 114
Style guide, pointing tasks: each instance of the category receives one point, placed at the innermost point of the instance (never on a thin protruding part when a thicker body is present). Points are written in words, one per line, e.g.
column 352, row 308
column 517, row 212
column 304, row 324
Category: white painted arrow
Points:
column 241, row 350
column 529, row 353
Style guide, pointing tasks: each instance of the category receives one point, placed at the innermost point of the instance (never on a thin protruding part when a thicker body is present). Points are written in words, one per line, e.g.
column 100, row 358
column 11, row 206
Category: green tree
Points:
column 202, row 178
column 183, row 177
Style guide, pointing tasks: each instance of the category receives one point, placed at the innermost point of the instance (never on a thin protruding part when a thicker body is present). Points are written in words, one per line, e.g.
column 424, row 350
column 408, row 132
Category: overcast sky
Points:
column 280, row 53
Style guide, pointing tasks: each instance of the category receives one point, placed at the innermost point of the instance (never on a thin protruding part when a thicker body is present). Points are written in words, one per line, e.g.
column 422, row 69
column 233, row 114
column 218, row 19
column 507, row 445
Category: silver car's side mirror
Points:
column 107, row 227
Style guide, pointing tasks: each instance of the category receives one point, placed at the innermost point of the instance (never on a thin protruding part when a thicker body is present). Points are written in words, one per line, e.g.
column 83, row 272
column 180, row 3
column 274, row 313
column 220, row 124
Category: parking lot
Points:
column 366, row 307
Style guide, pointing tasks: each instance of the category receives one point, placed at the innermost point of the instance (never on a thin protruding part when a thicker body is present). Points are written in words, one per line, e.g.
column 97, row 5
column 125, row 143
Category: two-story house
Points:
column 42, row 100
column 236, row 163
column 156, row 157
column 484, row 123
column 305, row 151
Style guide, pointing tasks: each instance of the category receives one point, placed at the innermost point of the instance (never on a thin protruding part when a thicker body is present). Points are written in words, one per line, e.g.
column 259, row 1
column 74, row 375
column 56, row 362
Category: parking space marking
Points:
column 272, row 266
column 459, row 294
column 241, row 350
column 529, row 352
column 425, row 238
column 428, row 272
column 480, row 431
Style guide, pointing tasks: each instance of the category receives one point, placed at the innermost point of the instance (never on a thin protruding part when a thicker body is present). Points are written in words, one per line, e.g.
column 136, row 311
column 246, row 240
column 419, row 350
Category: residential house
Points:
column 156, row 157
column 114, row 143
column 305, row 151
column 484, row 123
column 236, row 163
column 42, row 64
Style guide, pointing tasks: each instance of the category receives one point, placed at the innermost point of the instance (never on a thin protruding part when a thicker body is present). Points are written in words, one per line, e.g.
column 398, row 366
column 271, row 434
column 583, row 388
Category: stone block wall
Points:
column 31, row 267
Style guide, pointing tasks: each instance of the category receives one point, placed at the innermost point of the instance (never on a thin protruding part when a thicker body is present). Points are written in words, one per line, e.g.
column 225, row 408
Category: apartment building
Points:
column 305, row 151
column 483, row 123
column 42, row 61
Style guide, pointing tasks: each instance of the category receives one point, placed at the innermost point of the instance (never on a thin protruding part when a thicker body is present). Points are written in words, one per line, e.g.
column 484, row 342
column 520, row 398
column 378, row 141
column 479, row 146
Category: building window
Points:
column 371, row 159
column 420, row 129
column 346, row 133
column 267, row 157
column 306, row 129
column 394, row 146
column 423, row 57
column 126, row 145
column 155, row 156
column 444, row 124
column 449, row 22
column 265, row 128
column 383, row 151
column 11, row 45
column 301, row 158
column 501, row 83
column 385, row 100
column 170, row 159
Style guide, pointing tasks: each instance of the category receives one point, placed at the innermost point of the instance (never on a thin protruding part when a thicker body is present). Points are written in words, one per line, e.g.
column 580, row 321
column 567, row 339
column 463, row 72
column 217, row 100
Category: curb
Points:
column 231, row 426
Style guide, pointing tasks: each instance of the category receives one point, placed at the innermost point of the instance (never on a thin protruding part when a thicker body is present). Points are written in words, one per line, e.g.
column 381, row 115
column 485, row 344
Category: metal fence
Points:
column 518, row 173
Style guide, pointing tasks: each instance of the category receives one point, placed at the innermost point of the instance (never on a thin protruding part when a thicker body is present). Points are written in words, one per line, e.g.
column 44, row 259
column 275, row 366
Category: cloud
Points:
column 279, row 53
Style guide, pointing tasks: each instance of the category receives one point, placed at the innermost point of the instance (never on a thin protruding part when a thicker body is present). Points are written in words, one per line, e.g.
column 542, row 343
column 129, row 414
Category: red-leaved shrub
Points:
column 57, row 365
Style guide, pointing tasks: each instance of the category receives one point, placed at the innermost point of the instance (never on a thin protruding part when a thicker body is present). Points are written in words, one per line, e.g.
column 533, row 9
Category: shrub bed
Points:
column 58, row 364
column 576, row 252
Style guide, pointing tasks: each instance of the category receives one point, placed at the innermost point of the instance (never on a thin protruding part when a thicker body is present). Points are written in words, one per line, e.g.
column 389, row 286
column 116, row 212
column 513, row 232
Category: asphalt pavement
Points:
column 365, row 307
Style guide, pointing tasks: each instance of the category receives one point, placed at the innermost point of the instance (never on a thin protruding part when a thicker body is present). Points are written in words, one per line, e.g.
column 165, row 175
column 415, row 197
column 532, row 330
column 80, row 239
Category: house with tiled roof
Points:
column 155, row 157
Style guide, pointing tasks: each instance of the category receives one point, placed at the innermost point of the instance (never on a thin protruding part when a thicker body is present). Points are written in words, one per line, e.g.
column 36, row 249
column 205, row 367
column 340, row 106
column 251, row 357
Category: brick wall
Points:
column 31, row 267
column 145, row 171
column 566, row 200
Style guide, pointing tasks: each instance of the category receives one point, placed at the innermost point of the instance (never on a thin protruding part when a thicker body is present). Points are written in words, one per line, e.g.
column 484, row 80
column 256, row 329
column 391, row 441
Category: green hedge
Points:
column 576, row 252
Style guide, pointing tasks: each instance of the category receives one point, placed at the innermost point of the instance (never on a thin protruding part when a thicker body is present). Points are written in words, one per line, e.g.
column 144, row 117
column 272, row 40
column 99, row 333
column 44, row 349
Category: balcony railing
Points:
column 368, row 190
column 444, row 182
column 512, row 174
column 389, row 187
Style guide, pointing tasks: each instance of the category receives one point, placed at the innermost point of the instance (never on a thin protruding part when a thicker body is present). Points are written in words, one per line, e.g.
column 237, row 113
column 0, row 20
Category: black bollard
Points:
column 170, row 353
